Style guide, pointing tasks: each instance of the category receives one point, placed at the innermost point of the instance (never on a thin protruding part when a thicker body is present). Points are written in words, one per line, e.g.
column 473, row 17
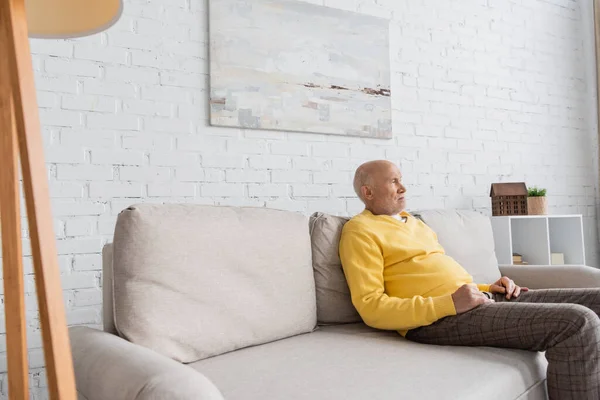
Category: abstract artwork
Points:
column 288, row 65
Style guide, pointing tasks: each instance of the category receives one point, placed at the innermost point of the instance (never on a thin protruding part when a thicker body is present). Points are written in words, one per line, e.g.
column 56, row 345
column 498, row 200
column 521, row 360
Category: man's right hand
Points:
column 467, row 297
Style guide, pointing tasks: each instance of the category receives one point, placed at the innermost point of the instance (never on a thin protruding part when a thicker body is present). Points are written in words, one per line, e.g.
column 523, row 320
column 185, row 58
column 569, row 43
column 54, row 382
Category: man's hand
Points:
column 507, row 285
column 467, row 297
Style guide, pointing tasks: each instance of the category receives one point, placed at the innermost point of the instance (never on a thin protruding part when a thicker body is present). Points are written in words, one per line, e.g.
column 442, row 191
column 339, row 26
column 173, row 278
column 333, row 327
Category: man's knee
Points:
column 583, row 319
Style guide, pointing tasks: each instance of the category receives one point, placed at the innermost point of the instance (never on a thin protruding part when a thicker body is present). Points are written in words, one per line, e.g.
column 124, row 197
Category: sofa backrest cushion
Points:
column 194, row 281
column 334, row 305
column 467, row 237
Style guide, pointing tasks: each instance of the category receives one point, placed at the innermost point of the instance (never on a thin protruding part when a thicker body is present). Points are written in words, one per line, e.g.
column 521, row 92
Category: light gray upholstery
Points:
column 108, row 321
column 193, row 281
column 350, row 361
column 334, row 305
column 553, row 276
column 354, row 362
column 110, row 368
column 467, row 237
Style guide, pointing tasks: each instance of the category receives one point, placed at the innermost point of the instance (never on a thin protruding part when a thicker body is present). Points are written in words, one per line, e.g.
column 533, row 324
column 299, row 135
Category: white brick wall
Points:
column 483, row 91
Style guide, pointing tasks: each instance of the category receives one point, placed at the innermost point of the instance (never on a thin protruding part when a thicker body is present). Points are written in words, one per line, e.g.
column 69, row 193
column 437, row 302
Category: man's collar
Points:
column 402, row 216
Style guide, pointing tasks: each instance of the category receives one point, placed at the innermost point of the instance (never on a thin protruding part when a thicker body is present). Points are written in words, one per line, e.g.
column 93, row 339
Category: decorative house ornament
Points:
column 509, row 198
column 293, row 66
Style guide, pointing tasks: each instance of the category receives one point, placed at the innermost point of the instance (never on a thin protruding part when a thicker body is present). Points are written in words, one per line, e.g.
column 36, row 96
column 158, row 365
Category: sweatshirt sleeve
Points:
column 363, row 264
column 483, row 287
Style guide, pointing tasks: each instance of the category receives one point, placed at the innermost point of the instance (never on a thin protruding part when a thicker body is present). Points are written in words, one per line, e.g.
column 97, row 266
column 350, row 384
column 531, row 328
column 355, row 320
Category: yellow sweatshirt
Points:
column 398, row 274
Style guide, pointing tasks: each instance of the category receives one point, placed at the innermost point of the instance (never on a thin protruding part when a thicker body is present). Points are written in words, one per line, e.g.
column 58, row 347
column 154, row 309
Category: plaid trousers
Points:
column 562, row 322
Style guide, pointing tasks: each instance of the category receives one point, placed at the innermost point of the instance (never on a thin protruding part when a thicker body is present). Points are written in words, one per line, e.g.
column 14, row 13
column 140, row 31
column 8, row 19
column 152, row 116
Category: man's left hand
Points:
column 507, row 285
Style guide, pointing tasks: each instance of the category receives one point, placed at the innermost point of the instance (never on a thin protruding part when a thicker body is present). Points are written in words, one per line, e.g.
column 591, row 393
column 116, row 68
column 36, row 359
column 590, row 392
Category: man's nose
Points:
column 401, row 188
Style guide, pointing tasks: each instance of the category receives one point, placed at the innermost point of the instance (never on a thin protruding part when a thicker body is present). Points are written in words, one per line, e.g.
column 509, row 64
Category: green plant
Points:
column 536, row 192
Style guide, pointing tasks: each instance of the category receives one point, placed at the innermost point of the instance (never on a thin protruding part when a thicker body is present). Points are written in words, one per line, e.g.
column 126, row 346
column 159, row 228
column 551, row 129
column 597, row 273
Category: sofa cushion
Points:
column 334, row 305
column 467, row 237
column 194, row 281
column 354, row 362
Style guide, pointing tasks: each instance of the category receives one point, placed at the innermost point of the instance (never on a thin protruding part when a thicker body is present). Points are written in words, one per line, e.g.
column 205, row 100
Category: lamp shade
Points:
column 70, row 18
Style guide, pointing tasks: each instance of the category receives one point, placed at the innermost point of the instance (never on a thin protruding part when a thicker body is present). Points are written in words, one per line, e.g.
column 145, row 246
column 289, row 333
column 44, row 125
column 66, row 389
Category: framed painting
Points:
column 294, row 66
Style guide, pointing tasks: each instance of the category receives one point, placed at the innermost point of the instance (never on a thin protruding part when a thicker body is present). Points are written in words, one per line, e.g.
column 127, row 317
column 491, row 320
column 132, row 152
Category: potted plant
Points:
column 536, row 201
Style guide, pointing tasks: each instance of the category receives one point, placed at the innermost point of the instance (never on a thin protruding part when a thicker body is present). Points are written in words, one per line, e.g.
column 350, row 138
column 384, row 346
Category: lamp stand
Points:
column 20, row 139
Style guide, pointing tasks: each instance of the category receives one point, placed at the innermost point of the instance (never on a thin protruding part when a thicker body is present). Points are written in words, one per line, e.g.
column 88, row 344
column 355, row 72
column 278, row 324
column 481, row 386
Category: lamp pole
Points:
column 20, row 140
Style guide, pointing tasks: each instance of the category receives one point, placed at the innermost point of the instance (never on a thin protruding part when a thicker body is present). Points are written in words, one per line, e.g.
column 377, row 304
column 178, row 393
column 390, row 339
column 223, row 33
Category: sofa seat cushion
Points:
column 193, row 281
column 356, row 362
column 467, row 237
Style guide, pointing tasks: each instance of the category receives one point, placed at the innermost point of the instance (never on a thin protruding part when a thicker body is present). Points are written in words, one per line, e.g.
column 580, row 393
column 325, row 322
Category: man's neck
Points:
column 376, row 213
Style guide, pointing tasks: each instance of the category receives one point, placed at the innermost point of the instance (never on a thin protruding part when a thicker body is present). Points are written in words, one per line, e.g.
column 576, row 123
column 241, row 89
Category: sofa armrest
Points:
column 552, row 276
column 109, row 367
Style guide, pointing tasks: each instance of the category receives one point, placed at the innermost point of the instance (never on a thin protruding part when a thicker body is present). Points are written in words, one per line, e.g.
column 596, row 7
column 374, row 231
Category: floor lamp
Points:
column 20, row 139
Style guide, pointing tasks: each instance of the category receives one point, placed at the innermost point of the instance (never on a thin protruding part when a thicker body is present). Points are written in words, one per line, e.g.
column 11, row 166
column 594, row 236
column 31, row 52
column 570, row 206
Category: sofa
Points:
column 207, row 302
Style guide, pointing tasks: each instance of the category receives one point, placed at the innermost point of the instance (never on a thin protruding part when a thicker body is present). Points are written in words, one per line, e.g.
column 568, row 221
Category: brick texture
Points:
column 483, row 91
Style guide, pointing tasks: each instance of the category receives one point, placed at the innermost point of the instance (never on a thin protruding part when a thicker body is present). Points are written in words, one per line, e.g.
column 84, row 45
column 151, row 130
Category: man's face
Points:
column 385, row 194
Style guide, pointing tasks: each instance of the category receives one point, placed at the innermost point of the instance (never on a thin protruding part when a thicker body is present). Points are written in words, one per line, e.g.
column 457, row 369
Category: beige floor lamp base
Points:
column 20, row 139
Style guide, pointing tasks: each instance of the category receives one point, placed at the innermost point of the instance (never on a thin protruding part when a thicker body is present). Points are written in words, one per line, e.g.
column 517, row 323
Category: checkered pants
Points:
column 562, row 322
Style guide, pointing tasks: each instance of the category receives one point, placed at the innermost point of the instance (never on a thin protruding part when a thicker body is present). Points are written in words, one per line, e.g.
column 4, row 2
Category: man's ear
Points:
column 367, row 193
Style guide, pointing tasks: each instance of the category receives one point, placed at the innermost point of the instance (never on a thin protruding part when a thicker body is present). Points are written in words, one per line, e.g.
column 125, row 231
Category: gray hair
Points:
column 362, row 177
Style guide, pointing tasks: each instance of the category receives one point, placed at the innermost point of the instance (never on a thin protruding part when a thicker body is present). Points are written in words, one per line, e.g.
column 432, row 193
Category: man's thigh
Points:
column 519, row 325
column 588, row 297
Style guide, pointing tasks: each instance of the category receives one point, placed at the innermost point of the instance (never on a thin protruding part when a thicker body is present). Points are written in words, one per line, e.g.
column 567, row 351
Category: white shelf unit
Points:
column 535, row 237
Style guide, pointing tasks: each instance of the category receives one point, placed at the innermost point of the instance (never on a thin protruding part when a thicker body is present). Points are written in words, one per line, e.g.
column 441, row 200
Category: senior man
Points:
column 401, row 279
